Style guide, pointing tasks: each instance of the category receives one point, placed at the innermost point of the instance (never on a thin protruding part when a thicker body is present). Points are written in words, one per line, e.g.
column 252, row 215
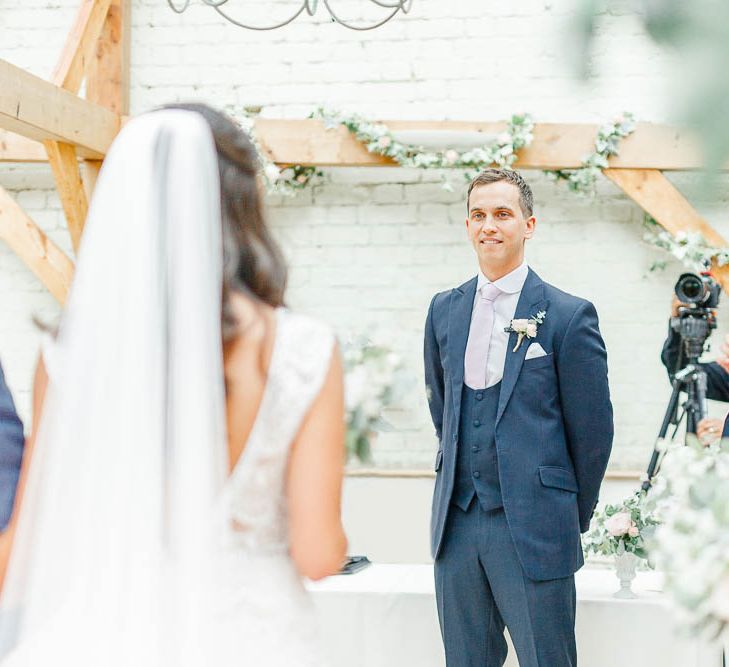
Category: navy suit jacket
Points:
column 11, row 451
column 554, row 424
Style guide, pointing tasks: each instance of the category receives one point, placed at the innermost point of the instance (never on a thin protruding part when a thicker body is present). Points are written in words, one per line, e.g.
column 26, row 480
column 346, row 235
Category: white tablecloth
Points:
column 385, row 616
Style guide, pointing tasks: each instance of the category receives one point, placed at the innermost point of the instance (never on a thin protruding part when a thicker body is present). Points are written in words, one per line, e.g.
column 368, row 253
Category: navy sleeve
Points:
column 434, row 386
column 11, row 451
column 586, row 406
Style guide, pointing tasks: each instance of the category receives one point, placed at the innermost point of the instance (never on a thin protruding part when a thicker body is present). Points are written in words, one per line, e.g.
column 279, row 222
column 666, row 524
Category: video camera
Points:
column 696, row 319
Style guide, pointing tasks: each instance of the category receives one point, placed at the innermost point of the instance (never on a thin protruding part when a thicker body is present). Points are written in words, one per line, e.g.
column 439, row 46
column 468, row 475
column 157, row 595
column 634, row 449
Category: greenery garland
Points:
column 584, row 179
column 689, row 248
column 502, row 151
column 286, row 181
column 378, row 139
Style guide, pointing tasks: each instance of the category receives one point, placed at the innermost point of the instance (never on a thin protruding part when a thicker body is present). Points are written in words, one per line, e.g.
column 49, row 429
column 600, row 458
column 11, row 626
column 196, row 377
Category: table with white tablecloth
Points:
column 385, row 616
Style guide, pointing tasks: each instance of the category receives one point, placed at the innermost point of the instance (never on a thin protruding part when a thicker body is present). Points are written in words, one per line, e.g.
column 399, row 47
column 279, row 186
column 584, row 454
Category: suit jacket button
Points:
column 474, row 449
column 479, row 396
column 476, row 422
column 477, row 474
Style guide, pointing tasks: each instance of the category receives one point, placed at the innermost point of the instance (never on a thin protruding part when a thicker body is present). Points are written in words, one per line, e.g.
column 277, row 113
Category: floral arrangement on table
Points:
column 691, row 496
column 689, row 248
column 374, row 377
column 622, row 531
column 607, row 141
column 622, row 528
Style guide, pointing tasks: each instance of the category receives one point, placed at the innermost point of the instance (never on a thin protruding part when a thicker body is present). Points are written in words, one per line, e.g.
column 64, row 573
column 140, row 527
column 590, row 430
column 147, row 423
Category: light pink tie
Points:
column 479, row 337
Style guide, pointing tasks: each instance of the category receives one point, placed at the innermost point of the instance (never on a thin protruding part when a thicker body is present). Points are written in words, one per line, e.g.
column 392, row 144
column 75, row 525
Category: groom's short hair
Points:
column 487, row 176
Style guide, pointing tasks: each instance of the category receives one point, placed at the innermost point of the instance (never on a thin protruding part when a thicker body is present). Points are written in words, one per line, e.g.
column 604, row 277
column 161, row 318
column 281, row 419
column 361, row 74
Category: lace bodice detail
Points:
column 255, row 495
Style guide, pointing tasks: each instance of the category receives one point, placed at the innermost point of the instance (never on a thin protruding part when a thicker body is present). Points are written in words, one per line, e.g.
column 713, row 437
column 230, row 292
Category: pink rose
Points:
column 633, row 531
column 619, row 524
column 384, row 142
column 531, row 330
column 519, row 325
column 451, row 156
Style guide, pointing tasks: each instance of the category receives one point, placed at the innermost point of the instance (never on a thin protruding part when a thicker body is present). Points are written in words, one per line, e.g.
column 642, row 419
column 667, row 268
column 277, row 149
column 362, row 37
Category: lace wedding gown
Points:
column 134, row 545
column 264, row 617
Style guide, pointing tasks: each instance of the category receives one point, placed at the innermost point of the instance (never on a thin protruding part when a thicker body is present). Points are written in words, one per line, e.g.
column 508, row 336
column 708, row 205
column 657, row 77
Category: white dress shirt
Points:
column 504, row 308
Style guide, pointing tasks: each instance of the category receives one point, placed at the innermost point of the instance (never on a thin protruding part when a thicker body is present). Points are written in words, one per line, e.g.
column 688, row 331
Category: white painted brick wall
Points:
column 369, row 247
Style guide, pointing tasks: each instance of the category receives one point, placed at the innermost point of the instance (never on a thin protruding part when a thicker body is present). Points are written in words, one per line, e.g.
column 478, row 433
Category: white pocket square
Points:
column 535, row 351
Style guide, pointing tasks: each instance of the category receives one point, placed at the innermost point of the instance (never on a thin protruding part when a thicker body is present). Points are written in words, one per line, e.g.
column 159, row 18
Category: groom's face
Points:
column 497, row 227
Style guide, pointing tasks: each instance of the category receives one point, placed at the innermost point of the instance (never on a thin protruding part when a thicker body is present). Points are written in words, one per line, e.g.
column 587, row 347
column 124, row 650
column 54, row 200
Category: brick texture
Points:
column 369, row 247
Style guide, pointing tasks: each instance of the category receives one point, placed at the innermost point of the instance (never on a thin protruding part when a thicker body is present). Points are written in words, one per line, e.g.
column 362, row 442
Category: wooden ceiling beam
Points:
column 39, row 110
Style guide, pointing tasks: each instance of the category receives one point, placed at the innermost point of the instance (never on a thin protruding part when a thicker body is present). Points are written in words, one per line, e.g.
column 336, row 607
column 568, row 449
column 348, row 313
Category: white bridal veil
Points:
column 113, row 548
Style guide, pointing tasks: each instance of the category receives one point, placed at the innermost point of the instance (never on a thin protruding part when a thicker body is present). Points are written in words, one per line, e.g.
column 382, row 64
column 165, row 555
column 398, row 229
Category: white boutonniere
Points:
column 526, row 327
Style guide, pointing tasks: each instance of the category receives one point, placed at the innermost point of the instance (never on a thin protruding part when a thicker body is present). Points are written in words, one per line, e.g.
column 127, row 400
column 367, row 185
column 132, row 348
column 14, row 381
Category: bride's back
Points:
column 285, row 426
column 284, row 388
column 247, row 361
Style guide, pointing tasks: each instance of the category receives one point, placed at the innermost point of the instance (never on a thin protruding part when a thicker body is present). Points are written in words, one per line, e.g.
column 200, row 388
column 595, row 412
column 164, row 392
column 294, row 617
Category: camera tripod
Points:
column 692, row 380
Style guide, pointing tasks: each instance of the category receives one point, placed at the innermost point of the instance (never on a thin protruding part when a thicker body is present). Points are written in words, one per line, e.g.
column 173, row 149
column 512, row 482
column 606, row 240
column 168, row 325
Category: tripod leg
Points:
column 668, row 418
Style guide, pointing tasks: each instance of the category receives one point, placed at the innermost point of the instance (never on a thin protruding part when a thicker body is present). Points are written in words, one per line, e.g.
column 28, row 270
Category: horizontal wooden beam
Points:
column 39, row 110
column 555, row 145
column 43, row 257
column 14, row 148
column 656, row 195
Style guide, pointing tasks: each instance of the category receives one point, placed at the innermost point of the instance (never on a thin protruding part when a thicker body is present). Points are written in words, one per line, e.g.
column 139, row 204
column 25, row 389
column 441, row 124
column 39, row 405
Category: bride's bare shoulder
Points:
column 254, row 317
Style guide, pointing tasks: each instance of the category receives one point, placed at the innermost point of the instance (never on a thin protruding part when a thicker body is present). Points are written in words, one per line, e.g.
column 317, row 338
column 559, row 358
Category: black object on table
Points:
column 355, row 564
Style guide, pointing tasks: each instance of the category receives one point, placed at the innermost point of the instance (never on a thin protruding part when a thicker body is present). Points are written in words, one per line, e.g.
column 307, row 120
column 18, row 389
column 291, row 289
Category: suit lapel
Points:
column 531, row 301
column 459, row 322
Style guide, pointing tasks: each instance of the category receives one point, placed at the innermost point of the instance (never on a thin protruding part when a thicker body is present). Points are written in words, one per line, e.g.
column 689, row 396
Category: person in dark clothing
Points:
column 717, row 378
column 11, row 451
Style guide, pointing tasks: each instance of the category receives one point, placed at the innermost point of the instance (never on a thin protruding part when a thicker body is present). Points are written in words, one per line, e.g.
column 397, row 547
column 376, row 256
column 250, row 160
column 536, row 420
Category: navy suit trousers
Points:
column 481, row 587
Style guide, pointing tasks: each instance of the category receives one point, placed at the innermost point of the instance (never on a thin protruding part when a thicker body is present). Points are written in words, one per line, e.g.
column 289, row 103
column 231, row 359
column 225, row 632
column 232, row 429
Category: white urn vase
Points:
column 625, row 564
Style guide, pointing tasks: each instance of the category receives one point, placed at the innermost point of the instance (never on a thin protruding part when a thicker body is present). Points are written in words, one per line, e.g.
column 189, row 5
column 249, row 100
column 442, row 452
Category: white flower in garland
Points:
column 378, row 139
column 608, row 138
column 689, row 248
column 286, row 181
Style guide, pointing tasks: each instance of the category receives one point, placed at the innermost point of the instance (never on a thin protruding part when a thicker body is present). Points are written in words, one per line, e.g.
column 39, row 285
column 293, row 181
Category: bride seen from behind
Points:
column 187, row 468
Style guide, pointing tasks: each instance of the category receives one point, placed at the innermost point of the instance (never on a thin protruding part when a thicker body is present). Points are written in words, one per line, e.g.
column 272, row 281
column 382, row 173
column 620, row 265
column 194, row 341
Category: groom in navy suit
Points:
column 516, row 377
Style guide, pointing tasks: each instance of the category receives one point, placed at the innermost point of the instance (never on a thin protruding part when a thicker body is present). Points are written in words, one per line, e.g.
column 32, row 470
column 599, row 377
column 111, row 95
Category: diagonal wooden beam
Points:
column 653, row 192
column 107, row 74
column 42, row 111
column 69, row 184
column 44, row 258
column 80, row 45
column 77, row 54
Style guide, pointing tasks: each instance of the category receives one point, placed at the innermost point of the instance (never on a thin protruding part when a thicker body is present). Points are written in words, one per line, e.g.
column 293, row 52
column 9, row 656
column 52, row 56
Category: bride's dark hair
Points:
column 252, row 261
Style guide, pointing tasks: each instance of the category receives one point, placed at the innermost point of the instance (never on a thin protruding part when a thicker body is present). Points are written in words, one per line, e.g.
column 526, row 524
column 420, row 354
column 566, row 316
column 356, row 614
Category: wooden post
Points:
column 64, row 164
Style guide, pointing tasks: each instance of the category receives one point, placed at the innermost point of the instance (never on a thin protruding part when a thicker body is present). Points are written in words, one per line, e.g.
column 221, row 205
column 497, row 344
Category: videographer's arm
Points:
column 671, row 352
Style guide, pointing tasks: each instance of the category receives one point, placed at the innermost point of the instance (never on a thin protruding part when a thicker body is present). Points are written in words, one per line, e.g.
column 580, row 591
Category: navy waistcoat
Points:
column 477, row 471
